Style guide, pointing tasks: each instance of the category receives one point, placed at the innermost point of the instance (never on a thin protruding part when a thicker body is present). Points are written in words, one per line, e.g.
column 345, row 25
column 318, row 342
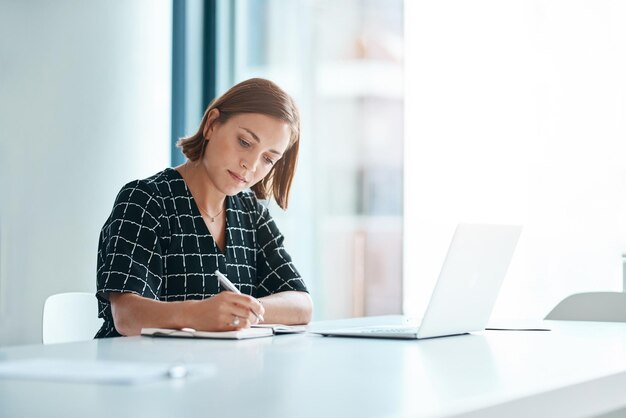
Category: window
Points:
column 342, row 62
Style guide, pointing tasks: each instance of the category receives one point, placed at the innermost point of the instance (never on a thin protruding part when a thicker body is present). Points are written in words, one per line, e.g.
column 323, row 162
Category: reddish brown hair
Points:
column 262, row 96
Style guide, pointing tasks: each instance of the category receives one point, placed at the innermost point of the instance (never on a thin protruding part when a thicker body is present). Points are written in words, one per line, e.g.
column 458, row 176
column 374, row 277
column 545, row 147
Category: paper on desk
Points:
column 96, row 371
column 517, row 325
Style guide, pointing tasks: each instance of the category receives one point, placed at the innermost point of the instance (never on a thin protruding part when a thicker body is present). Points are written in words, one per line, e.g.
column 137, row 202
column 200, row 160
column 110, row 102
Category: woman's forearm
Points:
column 289, row 308
column 132, row 312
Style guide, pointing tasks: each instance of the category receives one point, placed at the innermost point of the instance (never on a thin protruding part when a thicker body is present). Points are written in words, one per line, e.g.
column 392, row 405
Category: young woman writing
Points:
column 168, row 234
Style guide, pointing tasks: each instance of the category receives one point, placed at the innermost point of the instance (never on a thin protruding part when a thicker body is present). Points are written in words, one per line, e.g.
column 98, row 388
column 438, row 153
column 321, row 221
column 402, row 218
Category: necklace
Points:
column 211, row 217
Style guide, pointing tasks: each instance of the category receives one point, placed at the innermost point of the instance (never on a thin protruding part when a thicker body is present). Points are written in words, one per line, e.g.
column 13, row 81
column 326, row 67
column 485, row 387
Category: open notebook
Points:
column 256, row 331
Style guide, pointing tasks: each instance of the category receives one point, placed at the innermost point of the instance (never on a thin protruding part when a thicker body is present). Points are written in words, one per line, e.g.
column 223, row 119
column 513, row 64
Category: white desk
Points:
column 578, row 369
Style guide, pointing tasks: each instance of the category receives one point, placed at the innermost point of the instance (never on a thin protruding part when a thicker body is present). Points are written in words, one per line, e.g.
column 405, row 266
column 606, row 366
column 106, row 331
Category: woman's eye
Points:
column 244, row 143
column 269, row 160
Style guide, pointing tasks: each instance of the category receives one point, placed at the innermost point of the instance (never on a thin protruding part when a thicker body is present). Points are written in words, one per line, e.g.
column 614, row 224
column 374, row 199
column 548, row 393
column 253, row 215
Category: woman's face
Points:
column 243, row 150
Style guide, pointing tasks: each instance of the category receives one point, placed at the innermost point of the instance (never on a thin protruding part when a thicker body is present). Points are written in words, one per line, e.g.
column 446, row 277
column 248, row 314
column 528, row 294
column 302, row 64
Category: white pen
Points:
column 177, row 371
column 230, row 286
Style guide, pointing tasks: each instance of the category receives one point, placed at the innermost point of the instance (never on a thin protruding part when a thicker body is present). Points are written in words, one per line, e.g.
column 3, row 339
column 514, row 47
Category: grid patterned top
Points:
column 156, row 244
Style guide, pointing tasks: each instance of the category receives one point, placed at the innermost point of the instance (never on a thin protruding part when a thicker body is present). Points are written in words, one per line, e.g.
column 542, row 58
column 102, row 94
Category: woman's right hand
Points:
column 226, row 311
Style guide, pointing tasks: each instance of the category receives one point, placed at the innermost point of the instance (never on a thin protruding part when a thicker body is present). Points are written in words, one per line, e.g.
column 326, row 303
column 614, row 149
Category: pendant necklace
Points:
column 212, row 218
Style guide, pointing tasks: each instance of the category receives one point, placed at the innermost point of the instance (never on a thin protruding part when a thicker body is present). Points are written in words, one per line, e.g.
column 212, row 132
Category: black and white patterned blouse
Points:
column 156, row 244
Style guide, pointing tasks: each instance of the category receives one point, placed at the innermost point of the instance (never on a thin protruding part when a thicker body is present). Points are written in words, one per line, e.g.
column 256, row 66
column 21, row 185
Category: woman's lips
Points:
column 237, row 177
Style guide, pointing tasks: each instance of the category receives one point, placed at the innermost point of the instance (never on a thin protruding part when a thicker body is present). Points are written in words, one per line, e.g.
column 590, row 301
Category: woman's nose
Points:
column 250, row 167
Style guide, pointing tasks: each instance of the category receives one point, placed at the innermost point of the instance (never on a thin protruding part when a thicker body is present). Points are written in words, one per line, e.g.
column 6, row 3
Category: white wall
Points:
column 84, row 108
column 516, row 113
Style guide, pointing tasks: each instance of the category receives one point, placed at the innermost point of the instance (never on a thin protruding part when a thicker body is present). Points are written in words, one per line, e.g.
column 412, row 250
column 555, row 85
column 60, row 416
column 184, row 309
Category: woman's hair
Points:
column 262, row 96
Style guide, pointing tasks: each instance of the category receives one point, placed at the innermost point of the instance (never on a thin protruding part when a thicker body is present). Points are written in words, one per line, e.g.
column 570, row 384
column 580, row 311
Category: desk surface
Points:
column 577, row 369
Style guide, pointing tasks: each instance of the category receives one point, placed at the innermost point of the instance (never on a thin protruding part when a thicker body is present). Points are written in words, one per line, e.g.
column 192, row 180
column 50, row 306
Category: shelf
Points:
column 360, row 78
column 352, row 222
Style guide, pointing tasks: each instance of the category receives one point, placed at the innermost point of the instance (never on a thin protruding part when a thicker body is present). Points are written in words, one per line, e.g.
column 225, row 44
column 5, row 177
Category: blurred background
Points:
column 416, row 115
column 95, row 94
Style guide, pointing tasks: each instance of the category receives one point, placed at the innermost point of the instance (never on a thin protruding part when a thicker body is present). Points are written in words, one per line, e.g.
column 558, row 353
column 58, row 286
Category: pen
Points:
column 230, row 286
column 177, row 371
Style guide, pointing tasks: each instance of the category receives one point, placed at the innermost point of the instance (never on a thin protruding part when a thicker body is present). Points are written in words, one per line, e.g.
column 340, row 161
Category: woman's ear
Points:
column 212, row 117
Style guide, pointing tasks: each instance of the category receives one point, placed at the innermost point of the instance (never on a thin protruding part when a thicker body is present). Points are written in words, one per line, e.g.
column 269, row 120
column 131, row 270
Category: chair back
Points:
column 592, row 306
column 70, row 317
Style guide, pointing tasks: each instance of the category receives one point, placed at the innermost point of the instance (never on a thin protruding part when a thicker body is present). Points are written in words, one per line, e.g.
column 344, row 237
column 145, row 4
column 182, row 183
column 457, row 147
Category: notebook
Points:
column 469, row 281
column 256, row 331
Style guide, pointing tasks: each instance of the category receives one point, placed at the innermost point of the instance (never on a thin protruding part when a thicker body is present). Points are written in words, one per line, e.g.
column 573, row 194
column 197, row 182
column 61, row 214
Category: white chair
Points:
column 592, row 306
column 70, row 317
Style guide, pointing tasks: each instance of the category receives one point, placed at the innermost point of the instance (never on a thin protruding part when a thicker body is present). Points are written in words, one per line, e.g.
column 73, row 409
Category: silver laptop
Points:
column 467, row 288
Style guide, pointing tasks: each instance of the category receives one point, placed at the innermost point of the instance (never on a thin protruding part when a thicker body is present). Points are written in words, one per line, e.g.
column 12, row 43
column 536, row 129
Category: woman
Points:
column 168, row 234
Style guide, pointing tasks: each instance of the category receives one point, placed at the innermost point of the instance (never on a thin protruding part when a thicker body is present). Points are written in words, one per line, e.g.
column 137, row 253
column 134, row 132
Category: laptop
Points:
column 469, row 281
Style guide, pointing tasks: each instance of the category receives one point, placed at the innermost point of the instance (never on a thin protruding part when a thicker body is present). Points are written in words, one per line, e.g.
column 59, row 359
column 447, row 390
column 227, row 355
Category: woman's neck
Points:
column 206, row 195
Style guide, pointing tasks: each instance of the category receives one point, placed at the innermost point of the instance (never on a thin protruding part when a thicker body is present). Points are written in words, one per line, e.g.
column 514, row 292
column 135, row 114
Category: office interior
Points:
column 409, row 128
column 417, row 116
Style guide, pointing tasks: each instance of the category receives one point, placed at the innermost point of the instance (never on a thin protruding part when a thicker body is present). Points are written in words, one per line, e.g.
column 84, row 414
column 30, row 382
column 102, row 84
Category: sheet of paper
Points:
column 517, row 325
column 98, row 371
